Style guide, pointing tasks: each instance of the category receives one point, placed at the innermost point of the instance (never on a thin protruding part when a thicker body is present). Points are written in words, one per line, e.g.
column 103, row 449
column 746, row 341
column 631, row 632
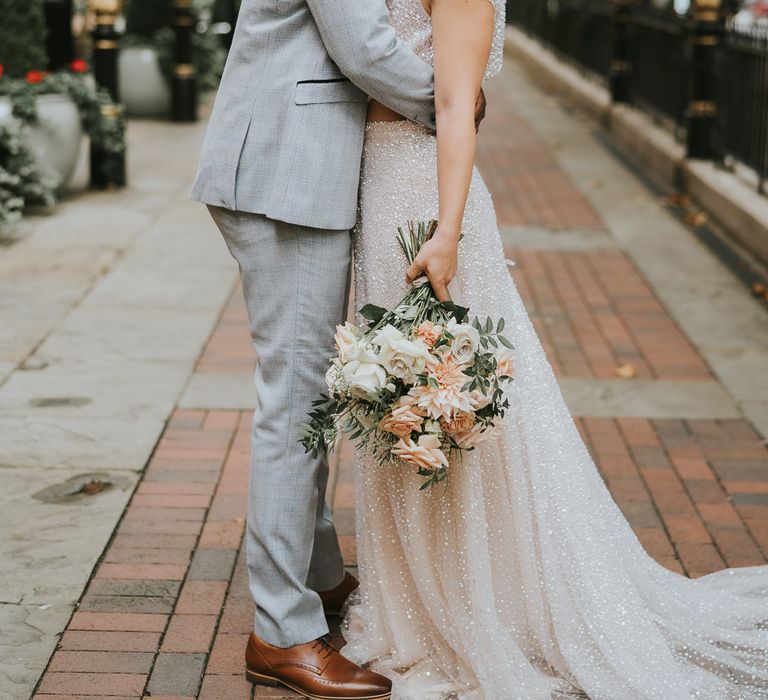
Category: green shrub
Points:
column 151, row 22
column 208, row 56
column 22, row 36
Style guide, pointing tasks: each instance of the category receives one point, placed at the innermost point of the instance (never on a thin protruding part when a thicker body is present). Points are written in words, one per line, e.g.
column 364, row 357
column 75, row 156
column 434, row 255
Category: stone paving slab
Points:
column 45, row 548
column 539, row 238
column 220, row 390
column 647, row 398
column 29, row 635
column 92, row 443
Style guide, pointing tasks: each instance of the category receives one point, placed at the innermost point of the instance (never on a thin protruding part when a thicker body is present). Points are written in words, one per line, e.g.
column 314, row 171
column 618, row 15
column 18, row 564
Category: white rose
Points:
column 360, row 351
column 388, row 334
column 405, row 359
column 362, row 373
column 364, row 378
column 465, row 343
column 346, row 339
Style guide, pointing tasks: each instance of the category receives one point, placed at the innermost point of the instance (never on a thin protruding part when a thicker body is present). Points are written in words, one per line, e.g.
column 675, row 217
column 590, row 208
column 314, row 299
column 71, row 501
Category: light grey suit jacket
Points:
column 286, row 134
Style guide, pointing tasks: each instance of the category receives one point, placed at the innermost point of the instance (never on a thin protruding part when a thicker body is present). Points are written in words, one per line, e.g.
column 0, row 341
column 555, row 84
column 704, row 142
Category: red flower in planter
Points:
column 35, row 76
column 2, row 70
column 79, row 66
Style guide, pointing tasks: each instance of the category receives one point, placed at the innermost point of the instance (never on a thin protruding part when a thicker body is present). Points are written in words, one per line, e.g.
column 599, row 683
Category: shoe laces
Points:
column 325, row 645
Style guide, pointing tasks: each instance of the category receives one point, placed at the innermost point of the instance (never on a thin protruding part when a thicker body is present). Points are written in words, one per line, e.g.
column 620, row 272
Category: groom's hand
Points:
column 480, row 106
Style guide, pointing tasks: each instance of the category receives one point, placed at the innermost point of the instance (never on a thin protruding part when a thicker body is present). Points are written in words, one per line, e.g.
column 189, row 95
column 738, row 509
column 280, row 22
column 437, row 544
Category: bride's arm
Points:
column 462, row 35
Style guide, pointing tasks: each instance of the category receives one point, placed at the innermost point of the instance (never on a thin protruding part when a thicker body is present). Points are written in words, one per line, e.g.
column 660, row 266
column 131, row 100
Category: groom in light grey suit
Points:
column 280, row 170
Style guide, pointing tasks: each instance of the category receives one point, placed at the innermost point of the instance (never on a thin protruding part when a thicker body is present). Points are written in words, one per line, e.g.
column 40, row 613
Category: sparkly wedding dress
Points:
column 521, row 580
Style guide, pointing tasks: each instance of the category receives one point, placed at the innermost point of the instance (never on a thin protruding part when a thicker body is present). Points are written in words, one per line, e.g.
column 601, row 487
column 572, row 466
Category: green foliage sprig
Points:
column 21, row 182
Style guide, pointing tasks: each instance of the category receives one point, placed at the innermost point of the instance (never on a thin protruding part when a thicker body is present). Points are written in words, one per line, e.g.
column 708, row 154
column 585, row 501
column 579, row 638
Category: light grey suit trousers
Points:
column 295, row 283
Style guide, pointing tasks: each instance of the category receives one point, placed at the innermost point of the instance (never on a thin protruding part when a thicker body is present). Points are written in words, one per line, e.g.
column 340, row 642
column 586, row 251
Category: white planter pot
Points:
column 144, row 90
column 55, row 139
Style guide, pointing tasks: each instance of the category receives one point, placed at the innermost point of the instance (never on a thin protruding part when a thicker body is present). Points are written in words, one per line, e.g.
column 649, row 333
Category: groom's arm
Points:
column 360, row 40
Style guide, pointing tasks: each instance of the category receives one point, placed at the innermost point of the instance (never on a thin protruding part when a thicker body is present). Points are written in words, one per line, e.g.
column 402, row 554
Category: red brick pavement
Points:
column 167, row 611
column 527, row 185
column 595, row 314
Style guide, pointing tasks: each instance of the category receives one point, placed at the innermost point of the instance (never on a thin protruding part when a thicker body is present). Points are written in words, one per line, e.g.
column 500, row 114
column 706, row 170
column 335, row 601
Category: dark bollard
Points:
column 225, row 12
column 107, row 169
column 621, row 64
column 701, row 112
column 184, row 87
column 59, row 42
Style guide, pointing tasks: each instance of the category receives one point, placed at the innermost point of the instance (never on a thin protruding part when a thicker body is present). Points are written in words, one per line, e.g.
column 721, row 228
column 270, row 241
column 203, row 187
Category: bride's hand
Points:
column 436, row 260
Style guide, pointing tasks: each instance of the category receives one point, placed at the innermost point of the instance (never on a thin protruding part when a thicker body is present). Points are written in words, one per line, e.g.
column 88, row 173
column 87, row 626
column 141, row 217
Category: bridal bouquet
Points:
column 419, row 384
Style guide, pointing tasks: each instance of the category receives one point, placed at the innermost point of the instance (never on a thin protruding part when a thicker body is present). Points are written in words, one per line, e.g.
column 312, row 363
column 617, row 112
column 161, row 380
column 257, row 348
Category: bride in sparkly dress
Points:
column 521, row 580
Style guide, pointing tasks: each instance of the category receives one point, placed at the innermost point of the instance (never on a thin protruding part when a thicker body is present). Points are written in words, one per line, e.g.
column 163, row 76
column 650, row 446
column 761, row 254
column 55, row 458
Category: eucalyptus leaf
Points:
column 373, row 313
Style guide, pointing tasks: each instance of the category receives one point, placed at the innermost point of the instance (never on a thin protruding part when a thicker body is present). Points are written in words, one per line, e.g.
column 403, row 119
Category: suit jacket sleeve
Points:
column 360, row 40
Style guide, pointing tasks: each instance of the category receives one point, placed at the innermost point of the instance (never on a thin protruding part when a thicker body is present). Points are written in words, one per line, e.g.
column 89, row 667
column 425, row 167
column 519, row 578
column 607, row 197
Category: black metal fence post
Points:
column 59, row 42
column 225, row 12
column 107, row 169
column 701, row 113
column 621, row 58
column 184, row 86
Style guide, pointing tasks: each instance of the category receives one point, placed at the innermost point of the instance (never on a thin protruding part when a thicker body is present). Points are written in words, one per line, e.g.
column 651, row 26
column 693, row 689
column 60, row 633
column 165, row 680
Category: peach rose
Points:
column 429, row 333
column 505, row 363
column 426, row 453
column 445, row 399
column 403, row 420
column 475, row 435
column 478, row 399
column 462, row 422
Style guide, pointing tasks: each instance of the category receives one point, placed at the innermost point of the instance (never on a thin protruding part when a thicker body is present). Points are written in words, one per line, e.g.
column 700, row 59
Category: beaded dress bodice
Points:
column 414, row 26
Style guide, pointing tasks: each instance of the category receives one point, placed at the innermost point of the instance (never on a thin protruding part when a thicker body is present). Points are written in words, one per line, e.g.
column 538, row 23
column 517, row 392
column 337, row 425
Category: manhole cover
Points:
column 82, row 487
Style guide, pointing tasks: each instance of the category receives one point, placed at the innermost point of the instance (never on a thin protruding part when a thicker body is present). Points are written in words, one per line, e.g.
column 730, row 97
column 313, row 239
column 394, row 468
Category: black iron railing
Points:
column 578, row 30
column 658, row 54
column 704, row 77
column 586, row 31
column 742, row 90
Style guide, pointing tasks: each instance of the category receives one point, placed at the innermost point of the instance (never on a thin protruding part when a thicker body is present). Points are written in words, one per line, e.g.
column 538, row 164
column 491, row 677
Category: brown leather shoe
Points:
column 315, row 670
column 333, row 600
